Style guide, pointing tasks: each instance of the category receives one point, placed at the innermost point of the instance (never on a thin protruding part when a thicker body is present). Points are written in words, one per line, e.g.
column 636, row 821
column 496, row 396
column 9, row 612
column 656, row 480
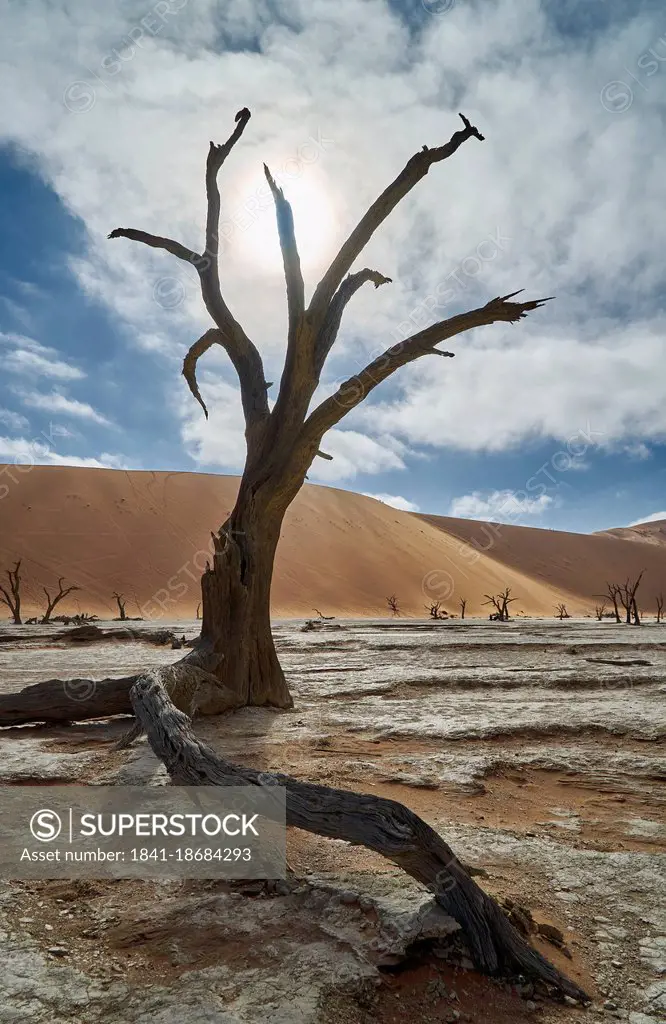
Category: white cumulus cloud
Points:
column 395, row 501
column 498, row 506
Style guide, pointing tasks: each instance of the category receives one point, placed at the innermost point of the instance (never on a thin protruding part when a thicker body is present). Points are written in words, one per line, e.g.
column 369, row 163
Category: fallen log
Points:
column 67, row 700
column 385, row 826
column 79, row 700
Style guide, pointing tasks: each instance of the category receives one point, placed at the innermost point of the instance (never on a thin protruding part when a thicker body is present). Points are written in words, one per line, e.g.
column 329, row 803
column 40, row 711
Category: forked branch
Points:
column 51, row 602
column 415, row 169
column 331, row 325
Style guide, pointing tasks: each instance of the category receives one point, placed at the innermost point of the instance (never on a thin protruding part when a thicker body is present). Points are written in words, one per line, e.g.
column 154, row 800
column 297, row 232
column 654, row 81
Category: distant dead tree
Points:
column 436, row 611
column 324, row 618
column 599, row 610
column 392, row 602
column 660, row 607
column 199, row 610
column 12, row 598
column 51, row 602
column 561, row 612
column 627, row 595
column 501, row 604
column 120, row 601
column 613, row 592
column 463, row 604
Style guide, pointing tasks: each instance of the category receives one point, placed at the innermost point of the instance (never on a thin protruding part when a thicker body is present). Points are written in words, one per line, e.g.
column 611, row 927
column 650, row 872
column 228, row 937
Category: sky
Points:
column 558, row 421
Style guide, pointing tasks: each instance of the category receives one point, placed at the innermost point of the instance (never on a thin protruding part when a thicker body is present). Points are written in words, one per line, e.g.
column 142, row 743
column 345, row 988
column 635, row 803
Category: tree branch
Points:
column 158, row 242
column 211, row 337
column 331, row 325
column 356, row 388
column 217, row 154
column 243, row 353
column 230, row 335
column 415, row 169
column 290, row 257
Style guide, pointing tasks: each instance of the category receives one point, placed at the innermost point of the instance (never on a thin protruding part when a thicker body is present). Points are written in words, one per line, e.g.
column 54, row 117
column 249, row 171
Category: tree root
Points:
column 385, row 826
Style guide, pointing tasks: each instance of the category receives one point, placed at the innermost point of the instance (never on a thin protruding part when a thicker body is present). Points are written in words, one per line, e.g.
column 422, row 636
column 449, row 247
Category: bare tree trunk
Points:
column 121, row 605
column 12, row 597
column 236, row 620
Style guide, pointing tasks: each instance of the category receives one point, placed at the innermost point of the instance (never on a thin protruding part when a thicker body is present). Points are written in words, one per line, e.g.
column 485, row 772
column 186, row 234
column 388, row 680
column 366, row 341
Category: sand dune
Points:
column 574, row 564
column 651, row 533
column 147, row 535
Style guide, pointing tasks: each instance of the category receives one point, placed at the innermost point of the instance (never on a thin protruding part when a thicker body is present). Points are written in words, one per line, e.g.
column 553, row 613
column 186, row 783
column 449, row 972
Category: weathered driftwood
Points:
column 385, row 826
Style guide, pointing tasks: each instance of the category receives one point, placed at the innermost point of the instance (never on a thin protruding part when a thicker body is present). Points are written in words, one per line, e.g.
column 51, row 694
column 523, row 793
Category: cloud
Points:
column 353, row 453
column 30, row 357
column 220, row 439
column 564, row 387
column 59, row 403
column 655, row 517
column 21, row 451
column 13, row 420
column 564, row 197
column 498, row 506
column 395, row 501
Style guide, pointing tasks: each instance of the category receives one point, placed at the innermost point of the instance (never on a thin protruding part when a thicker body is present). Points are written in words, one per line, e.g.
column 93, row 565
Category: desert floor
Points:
column 535, row 748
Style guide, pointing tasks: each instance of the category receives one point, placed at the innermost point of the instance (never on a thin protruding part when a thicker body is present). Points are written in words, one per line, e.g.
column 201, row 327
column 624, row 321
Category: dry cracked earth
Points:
column 535, row 748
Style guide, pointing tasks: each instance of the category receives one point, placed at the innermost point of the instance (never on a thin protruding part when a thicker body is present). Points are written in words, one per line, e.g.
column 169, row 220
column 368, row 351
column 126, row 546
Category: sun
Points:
column 252, row 229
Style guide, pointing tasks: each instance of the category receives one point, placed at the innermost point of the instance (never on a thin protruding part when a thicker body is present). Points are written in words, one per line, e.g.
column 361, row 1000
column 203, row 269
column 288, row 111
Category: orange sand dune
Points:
column 577, row 565
column 651, row 533
column 147, row 535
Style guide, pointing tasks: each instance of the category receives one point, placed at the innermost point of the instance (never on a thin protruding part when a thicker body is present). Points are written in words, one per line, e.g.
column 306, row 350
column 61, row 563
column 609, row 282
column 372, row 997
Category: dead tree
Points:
column 463, row 604
column 51, row 602
column 324, row 618
column 660, row 606
column 599, row 611
column 436, row 611
column 236, row 650
column 561, row 612
column 283, row 441
column 392, row 602
column 199, row 611
column 613, row 592
column 12, row 597
column 120, row 601
column 501, row 604
column 627, row 595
